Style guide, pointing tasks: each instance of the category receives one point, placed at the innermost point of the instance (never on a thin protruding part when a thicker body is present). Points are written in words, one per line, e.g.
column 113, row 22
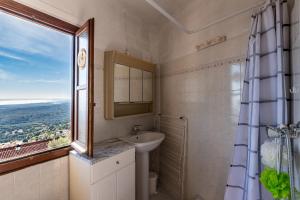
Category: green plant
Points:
column 61, row 141
column 276, row 183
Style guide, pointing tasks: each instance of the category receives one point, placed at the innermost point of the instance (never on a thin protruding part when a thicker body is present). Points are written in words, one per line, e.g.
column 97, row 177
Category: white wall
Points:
column 115, row 29
column 46, row 181
column 205, row 86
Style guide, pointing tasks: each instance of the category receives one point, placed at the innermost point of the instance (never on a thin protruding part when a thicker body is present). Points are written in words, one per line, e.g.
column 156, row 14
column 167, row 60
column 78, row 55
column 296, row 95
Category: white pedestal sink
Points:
column 144, row 143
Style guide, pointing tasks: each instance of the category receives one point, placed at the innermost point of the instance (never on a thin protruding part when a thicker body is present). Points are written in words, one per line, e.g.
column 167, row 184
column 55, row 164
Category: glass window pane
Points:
column 82, row 116
column 83, row 48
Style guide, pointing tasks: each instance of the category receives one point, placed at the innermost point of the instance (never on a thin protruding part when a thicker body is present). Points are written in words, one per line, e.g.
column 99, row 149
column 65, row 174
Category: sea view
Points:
column 26, row 101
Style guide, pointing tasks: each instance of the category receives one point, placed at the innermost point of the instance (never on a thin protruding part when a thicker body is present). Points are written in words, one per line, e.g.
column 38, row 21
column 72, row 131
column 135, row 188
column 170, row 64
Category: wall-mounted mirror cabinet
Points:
column 128, row 85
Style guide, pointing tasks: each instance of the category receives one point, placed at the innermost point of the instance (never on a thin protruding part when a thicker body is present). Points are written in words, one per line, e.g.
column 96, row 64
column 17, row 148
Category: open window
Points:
column 46, row 81
column 83, row 90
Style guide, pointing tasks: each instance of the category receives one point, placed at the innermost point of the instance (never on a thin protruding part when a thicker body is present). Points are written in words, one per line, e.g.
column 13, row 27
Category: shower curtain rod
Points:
column 179, row 25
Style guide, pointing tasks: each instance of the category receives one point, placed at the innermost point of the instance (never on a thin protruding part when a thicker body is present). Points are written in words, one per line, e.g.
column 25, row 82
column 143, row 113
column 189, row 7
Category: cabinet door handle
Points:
column 118, row 162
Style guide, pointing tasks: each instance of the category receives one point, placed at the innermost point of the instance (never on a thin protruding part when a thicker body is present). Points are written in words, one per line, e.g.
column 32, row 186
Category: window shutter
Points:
column 84, row 89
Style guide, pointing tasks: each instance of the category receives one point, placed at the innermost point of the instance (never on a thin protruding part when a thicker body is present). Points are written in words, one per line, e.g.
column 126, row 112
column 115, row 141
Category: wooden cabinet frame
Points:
column 110, row 59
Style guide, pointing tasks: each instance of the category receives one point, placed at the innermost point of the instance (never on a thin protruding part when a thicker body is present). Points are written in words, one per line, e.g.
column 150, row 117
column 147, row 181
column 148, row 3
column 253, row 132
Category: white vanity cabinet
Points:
column 110, row 179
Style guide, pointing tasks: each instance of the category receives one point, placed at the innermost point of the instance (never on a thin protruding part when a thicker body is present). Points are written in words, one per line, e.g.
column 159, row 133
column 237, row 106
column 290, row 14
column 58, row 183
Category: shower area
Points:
column 202, row 58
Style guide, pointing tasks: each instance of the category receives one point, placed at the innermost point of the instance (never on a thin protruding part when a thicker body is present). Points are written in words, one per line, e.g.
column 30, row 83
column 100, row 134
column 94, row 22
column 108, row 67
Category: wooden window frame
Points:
column 25, row 12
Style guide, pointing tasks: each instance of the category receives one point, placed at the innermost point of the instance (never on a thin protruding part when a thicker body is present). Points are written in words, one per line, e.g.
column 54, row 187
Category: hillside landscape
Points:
column 25, row 123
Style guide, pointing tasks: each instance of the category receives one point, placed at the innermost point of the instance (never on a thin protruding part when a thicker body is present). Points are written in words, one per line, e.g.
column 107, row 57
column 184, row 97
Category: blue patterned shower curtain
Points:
column 265, row 99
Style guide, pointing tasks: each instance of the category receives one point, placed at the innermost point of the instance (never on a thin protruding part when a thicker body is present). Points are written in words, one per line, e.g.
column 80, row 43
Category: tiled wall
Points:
column 295, row 41
column 205, row 87
column 118, row 30
column 209, row 98
column 46, row 181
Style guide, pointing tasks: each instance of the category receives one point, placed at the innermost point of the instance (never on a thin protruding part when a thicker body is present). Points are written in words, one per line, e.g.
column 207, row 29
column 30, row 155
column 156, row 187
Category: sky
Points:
column 35, row 61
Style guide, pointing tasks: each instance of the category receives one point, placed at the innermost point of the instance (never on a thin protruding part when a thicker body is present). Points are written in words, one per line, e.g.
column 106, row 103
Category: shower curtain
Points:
column 265, row 99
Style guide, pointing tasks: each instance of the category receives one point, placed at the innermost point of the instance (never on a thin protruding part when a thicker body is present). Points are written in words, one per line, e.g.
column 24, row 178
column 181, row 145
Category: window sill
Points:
column 21, row 163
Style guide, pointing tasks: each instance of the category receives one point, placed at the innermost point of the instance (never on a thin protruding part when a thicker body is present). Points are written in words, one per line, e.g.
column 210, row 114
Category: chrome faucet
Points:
column 136, row 129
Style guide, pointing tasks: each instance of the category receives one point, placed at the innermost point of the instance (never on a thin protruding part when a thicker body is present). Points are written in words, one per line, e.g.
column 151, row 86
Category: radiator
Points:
column 173, row 155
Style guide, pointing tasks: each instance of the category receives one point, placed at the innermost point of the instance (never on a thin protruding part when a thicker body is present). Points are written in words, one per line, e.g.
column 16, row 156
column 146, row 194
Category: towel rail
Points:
column 173, row 160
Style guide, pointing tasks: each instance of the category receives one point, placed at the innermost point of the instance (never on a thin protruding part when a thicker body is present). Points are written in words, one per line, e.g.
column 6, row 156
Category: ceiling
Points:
column 177, row 7
column 149, row 14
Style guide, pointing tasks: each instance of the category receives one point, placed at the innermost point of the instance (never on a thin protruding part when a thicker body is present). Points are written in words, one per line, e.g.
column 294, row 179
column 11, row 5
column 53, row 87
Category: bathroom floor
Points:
column 160, row 196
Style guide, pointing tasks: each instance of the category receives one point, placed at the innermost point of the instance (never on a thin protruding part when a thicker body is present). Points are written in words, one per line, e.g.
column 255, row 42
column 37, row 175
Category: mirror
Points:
column 147, row 86
column 128, row 85
column 121, row 83
column 136, row 85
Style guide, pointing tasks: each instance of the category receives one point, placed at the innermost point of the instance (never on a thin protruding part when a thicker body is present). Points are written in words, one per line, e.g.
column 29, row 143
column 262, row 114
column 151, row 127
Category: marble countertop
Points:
column 104, row 150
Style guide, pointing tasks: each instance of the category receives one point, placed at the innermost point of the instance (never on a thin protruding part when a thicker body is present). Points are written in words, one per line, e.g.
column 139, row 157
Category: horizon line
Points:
column 31, row 101
column 35, row 99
